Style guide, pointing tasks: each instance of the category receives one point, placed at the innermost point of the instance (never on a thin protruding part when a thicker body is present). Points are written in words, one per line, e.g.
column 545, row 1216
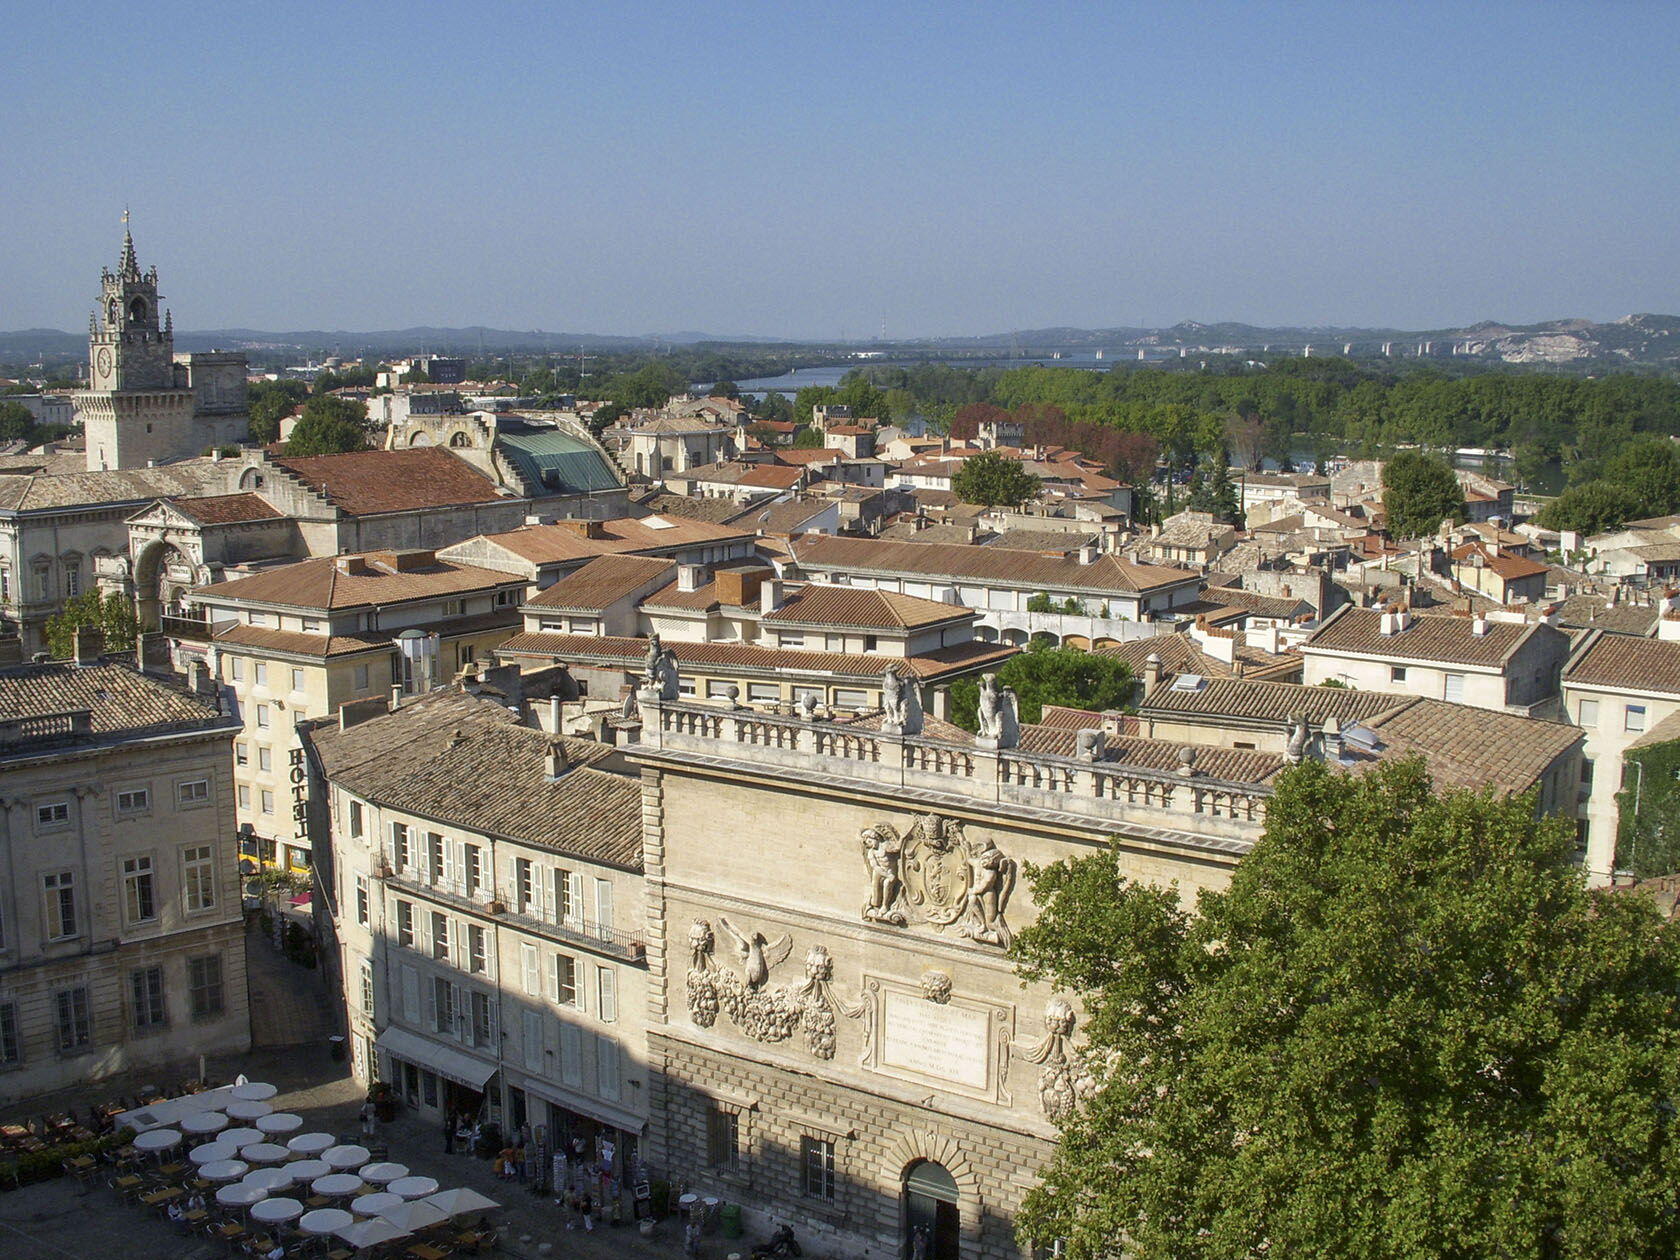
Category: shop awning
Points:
column 594, row 1108
column 446, row 1061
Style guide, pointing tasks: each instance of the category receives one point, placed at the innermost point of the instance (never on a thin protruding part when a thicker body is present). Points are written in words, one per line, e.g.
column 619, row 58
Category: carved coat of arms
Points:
column 934, row 873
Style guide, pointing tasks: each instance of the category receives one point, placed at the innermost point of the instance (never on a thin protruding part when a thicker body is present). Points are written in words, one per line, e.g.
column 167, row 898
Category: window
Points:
column 453, row 607
column 405, row 924
column 134, row 801
column 440, row 936
column 53, row 814
column 11, row 1045
column 850, row 698
column 764, row 692
column 61, row 904
column 259, row 671
column 356, row 819
column 472, row 868
column 139, row 905
column 530, row 968
column 1452, row 687
column 362, row 915
column 815, row 694
column 192, row 792
column 360, row 677
column 567, row 896
column 723, row 1140
column 522, row 891
column 267, row 799
column 604, row 907
column 367, row 988
column 476, row 960
column 443, row 1005
column 434, row 857
column 262, row 717
column 816, row 1167
column 72, row 578
column 399, row 846
column 717, row 689
column 478, row 1005
column 1635, row 718
column 1397, row 673
column 606, row 994
column 265, row 759
column 790, row 640
column 236, row 668
column 244, row 796
column 506, row 599
column 1588, row 714
column 608, row 1069
column 297, row 680
column 5, row 585
column 145, row 988
column 565, row 980
column 871, row 642
column 204, row 985
column 75, row 1020
column 198, row 877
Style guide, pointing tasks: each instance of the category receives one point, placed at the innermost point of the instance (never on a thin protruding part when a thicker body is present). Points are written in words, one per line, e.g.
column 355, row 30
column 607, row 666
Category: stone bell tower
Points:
column 134, row 412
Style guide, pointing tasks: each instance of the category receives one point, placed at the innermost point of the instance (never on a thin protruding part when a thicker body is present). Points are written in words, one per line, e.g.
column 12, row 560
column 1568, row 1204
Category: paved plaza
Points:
column 52, row 1221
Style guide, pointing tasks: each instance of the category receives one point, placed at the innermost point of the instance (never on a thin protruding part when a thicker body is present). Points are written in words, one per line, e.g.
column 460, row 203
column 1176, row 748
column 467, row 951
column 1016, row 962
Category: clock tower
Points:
column 137, row 409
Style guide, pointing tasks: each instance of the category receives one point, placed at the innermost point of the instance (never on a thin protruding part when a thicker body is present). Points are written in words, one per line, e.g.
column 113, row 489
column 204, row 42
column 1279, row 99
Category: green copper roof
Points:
column 559, row 462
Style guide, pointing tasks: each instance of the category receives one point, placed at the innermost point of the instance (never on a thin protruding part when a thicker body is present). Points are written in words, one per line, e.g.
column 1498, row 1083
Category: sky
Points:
column 818, row 171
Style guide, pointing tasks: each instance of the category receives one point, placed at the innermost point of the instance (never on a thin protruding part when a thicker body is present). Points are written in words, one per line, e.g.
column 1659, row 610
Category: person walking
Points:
column 691, row 1236
column 367, row 1119
column 448, row 1135
column 588, row 1209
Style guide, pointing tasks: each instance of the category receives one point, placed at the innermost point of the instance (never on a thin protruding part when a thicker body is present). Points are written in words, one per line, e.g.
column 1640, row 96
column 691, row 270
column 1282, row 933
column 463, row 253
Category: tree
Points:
column 329, row 425
column 1419, row 492
column 271, row 402
column 1406, row 1029
column 1650, row 470
column 808, row 437
column 724, row 389
column 1044, row 675
column 990, row 479
column 1592, row 508
column 16, row 421
column 113, row 616
column 774, row 406
column 1212, row 491
column 604, row 416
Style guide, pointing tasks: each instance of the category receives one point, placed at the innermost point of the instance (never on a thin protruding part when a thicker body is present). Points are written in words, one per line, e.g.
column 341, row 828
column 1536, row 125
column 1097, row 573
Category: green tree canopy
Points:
column 991, row 479
column 329, row 425
column 1405, row 1030
column 1591, row 508
column 650, row 385
column 1419, row 492
column 1044, row 675
column 270, row 403
column 113, row 615
column 1650, row 471
column 16, row 421
column 1212, row 490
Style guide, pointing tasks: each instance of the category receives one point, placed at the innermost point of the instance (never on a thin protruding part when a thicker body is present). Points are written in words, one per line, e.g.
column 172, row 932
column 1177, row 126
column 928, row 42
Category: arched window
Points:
column 137, row 310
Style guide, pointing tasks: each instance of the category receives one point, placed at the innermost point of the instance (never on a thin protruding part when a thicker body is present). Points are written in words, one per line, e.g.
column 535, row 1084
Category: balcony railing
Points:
column 192, row 629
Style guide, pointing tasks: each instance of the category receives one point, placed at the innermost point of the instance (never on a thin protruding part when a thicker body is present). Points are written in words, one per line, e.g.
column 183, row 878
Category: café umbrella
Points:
column 370, row 1233
column 242, row 1137
column 224, row 1170
column 276, row 1211
column 323, row 1221
column 461, row 1201
column 416, row 1215
column 264, row 1153
column 334, row 1185
column 383, row 1172
column 375, row 1204
column 413, row 1187
column 253, row 1091
column 241, row 1110
column 240, row 1195
column 270, row 1179
column 204, row 1122
column 155, row 1140
column 311, row 1144
column 213, row 1152
column 308, row 1169
column 279, row 1122
column 346, row 1157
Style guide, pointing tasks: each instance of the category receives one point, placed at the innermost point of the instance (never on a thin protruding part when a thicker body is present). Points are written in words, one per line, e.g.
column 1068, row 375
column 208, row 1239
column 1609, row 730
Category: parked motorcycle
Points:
column 782, row 1243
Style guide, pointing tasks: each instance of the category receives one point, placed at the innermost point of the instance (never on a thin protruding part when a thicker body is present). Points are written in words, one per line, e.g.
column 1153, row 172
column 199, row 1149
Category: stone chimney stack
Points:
column 1151, row 674
column 770, row 596
column 90, row 643
column 555, row 763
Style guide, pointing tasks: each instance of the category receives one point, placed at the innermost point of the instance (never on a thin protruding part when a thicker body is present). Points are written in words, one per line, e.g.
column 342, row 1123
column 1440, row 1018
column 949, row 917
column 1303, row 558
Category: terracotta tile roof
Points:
column 1257, row 604
column 1468, row 747
column 297, row 643
column 820, row 604
column 986, row 564
column 1231, row 765
column 679, row 424
column 119, row 698
column 947, row 661
column 373, row 578
column 23, row 492
column 1061, row 717
column 602, row 582
column 1258, row 700
column 551, row 544
column 665, row 503
column 1626, row 663
column 1510, row 568
column 1594, row 612
column 367, row 483
column 781, row 518
column 465, row 760
column 802, row 457
column 702, row 598
column 772, row 477
column 226, row 509
column 1427, row 638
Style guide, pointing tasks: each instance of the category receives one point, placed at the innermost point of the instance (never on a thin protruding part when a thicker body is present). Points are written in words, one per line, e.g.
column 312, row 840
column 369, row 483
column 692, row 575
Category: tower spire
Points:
column 128, row 266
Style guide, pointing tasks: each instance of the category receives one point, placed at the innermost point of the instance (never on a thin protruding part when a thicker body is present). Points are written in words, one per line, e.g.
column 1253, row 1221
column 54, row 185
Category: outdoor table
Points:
column 311, row 1143
column 323, row 1221
column 276, row 1211
column 280, row 1122
column 425, row 1251
column 346, row 1157
column 224, row 1170
column 383, row 1172
column 158, row 1198
column 270, row 1179
column 213, row 1152
column 413, row 1187
column 308, row 1169
column 242, row 1110
column 336, row 1185
column 375, row 1204
column 254, row 1091
column 240, row 1195
column 264, row 1153
column 242, row 1137
column 155, row 1140
column 204, row 1122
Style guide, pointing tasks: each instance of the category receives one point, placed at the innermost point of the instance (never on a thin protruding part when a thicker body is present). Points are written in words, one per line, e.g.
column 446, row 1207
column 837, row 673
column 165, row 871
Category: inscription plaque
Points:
column 948, row 1043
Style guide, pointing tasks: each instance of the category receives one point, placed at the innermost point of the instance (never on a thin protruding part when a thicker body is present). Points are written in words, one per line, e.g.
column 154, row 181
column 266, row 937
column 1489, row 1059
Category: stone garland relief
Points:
column 760, row 1010
column 1063, row 1077
column 934, row 873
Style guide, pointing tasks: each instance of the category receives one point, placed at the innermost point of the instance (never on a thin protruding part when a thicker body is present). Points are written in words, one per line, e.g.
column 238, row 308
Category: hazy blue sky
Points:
column 808, row 170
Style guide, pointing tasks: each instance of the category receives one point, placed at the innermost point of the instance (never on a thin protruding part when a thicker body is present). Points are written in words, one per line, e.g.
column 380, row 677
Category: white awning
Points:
column 446, row 1061
column 594, row 1108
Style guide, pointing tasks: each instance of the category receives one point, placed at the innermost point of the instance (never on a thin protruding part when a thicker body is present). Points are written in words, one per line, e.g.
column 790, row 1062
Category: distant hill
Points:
column 1646, row 340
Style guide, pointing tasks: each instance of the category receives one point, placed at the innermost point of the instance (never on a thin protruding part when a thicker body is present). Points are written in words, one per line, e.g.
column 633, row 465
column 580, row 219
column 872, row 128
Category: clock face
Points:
column 103, row 360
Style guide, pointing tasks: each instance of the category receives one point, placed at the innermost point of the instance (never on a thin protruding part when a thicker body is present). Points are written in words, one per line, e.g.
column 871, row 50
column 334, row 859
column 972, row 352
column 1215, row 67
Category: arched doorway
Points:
column 932, row 1223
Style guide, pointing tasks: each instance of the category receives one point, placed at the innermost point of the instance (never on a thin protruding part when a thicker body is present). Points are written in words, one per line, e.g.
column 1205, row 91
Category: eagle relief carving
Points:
column 763, row 1011
column 933, row 872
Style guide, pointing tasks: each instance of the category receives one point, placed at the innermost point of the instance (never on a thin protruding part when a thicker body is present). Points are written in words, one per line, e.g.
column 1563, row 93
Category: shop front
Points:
column 437, row 1080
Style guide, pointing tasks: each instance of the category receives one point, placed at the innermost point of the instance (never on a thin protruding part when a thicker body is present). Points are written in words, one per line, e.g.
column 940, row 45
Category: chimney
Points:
column 1088, row 554
column 555, row 763
column 691, row 577
column 554, row 704
column 1151, row 674
column 353, row 566
column 770, row 596
column 1479, row 625
column 1333, row 748
column 90, row 642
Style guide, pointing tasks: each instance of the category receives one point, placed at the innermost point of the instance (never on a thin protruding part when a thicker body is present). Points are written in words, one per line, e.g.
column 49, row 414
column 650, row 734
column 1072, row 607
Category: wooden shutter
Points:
column 529, row 965
column 531, row 1039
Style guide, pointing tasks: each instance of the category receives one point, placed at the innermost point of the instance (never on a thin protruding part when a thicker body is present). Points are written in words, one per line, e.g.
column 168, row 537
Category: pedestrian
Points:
column 587, row 1207
column 519, row 1157
column 571, row 1211
column 691, row 1236
column 448, row 1135
column 367, row 1119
